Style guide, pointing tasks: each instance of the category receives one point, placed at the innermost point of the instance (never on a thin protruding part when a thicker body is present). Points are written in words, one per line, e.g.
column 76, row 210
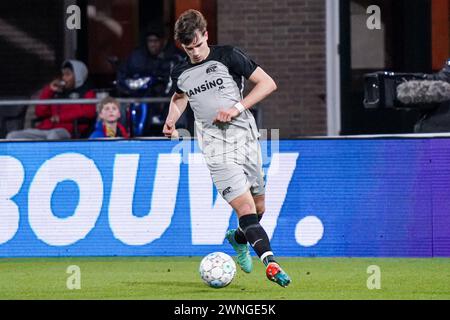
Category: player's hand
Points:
column 226, row 115
column 169, row 130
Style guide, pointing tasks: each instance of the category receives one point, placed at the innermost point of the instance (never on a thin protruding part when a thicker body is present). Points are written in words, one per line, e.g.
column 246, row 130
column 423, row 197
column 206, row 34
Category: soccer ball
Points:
column 217, row 269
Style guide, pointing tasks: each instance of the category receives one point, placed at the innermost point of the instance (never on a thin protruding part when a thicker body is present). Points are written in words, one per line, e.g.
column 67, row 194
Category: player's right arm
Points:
column 178, row 104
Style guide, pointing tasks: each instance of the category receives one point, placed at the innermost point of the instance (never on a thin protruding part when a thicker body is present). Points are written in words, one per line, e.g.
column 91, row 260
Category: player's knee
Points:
column 245, row 208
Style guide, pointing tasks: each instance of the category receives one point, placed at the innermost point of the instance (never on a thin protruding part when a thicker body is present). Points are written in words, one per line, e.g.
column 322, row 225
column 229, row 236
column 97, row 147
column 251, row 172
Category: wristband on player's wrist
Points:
column 240, row 107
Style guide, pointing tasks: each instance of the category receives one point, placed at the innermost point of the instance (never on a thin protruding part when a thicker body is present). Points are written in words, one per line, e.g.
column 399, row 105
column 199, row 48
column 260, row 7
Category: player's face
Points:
column 198, row 50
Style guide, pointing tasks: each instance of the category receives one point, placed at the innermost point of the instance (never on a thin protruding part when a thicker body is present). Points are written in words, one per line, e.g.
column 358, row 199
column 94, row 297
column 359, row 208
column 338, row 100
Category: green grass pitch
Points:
column 170, row 278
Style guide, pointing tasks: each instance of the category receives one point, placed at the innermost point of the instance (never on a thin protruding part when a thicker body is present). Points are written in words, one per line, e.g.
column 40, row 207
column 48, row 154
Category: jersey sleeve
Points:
column 240, row 63
column 175, row 84
column 174, row 75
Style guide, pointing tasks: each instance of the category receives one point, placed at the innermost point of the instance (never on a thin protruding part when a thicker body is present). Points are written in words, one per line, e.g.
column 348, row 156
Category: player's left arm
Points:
column 264, row 86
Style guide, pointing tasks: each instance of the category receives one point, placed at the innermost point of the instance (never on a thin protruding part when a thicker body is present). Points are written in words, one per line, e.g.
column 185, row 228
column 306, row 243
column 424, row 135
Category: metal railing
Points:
column 21, row 102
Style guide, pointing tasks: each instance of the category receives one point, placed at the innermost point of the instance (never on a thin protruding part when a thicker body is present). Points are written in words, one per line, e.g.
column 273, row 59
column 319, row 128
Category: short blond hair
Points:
column 105, row 101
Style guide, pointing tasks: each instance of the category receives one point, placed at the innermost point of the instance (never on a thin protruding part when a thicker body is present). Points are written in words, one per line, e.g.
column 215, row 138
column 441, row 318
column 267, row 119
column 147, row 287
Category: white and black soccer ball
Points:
column 217, row 269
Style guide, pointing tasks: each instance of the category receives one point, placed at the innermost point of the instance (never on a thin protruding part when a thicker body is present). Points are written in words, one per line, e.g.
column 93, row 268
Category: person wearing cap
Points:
column 56, row 121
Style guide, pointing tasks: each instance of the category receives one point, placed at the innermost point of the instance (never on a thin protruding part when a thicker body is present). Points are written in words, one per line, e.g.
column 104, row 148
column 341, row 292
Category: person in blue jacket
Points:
column 109, row 126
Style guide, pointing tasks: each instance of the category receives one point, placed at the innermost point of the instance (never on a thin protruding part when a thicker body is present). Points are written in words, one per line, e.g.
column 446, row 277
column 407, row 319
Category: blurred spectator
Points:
column 59, row 121
column 109, row 126
column 154, row 58
column 438, row 118
column 11, row 118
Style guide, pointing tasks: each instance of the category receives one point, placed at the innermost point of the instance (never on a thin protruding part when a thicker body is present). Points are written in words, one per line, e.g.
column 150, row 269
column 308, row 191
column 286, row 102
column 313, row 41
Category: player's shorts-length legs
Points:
column 237, row 171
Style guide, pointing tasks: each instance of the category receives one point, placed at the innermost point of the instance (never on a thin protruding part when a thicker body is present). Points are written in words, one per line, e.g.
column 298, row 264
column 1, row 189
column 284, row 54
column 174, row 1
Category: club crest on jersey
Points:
column 206, row 86
column 226, row 191
column 212, row 68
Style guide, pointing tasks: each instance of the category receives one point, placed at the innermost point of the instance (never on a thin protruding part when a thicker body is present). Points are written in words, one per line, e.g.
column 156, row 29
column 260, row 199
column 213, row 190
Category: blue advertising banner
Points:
column 324, row 197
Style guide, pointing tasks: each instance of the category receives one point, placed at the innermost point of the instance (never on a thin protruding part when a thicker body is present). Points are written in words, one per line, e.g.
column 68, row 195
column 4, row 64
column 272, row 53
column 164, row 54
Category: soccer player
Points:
column 211, row 80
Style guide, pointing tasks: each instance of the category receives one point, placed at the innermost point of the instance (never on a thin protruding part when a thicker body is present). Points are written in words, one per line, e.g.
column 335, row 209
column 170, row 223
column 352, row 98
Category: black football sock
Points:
column 268, row 259
column 239, row 236
column 257, row 237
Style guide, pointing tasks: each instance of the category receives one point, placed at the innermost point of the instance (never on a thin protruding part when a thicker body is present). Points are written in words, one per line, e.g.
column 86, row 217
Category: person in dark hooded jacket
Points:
column 438, row 118
column 56, row 121
column 153, row 58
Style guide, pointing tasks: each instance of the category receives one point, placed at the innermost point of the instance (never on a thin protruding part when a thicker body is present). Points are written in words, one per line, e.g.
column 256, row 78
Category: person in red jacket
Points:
column 57, row 121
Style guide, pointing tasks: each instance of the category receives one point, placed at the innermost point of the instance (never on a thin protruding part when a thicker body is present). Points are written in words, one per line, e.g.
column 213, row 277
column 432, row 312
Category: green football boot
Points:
column 244, row 258
column 276, row 274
